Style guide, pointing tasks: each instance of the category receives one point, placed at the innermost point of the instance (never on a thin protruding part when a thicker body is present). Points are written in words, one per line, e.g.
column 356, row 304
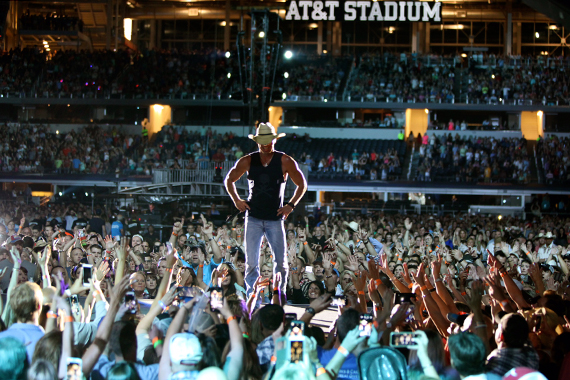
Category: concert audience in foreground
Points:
column 474, row 159
column 483, row 297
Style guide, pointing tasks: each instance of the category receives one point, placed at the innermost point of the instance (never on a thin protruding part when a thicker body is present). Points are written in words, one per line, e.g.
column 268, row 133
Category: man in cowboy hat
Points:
column 549, row 248
column 267, row 171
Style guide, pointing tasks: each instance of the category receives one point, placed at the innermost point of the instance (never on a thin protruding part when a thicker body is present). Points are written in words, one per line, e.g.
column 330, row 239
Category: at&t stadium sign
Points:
column 333, row 10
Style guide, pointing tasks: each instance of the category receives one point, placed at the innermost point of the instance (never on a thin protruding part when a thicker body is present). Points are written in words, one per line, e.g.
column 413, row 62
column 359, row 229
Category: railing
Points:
column 310, row 98
column 107, row 95
column 183, row 175
column 398, row 99
column 479, row 60
column 207, row 165
column 514, row 102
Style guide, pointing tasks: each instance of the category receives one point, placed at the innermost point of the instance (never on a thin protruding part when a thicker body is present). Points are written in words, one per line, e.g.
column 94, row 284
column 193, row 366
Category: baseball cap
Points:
column 185, row 348
column 202, row 322
column 523, row 373
column 15, row 238
column 457, row 318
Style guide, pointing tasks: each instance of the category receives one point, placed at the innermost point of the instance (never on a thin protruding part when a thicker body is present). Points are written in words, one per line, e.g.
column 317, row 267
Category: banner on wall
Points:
column 334, row 10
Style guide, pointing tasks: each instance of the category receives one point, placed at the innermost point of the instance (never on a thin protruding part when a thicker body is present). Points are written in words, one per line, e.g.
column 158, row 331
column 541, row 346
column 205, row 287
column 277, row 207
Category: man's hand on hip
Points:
column 284, row 211
column 241, row 205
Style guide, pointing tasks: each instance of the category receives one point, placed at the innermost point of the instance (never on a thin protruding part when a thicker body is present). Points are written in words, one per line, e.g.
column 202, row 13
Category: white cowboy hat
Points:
column 549, row 235
column 265, row 134
column 352, row 225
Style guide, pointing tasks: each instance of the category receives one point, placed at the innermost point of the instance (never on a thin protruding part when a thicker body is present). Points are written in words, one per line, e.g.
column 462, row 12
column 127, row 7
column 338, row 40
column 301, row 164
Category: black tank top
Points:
column 266, row 187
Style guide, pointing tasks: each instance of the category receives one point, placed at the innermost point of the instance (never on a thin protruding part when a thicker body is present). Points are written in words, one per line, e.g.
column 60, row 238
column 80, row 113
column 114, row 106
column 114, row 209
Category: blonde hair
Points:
column 26, row 300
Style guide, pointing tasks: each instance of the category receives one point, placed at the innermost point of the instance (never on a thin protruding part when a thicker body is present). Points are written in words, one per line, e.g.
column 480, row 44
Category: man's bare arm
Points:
column 292, row 169
column 233, row 176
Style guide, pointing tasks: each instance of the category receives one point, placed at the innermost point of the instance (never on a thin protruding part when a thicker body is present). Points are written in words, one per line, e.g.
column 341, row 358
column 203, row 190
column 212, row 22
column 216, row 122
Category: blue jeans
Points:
column 274, row 230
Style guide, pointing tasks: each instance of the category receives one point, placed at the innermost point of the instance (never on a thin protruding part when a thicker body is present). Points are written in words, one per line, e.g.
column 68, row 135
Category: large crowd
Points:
column 461, row 297
column 91, row 150
column 492, row 79
column 95, row 150
column 473, row 159
column 554, row 153
column 102, row 74
column 313, row 77
column 214, row 74
column 535, row 81
column 392, row 77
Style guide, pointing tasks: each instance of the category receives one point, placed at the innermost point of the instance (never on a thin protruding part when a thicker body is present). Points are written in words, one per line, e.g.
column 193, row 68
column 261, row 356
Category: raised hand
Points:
column 16, row 257
column 102, row 271
column 77, row 286
column 352, row 263
column 207, row 229
column 177, row 227
column 373, row 271
column 419, row 276
column 360, row 281
column 260, row 283
column 476, row 295
column 184, row 275
column 109, row 242
column 119, row 290
column 121, row 250
column 43, row 257
column 277, row 282
column 327, row 257
column 436, row 267
column 373, row 293
column 352, row 339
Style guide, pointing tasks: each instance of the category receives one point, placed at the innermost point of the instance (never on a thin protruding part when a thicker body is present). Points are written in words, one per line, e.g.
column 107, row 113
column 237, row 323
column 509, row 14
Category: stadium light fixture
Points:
column 229, row 75
column 288, row 54
column 128, row 28
column 285, row 75
column 228, row 54
column 537, row 35
column 261, row 34
column 284, row 96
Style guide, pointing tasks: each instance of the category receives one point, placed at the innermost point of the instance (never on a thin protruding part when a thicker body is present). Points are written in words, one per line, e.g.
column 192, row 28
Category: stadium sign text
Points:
column 364, row 11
